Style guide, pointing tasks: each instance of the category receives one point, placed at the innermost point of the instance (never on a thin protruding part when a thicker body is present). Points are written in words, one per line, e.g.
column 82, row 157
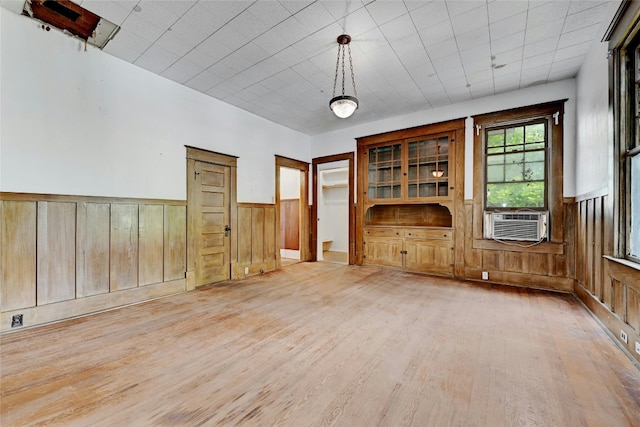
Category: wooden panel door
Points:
column 383, row 251
column 430, row 256
column 213, row 247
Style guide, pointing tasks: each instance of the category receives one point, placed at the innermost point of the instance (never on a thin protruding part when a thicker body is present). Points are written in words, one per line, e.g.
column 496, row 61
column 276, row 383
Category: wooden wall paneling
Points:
column 175, row 239
column 92, row 248
column 459, row 222
column 580, row 246
column 633, row 309
column 290, row 224
column 565, row 264
column 270, row 234
column 472, row 257
column 151, row 244
column 589, row 243
column 56, row 252
column 491, row 260
column 18, row 254
column 537, row 264
column 551, row 266
column 244, row 235
column 597, row 248
column 257, row 235
column 513, row 261
column 123, row 270
column 618, row 301
column 608, row 245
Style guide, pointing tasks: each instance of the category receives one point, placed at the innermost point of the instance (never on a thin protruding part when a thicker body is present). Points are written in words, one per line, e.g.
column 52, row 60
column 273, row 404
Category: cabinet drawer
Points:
column 431, row 234
column 383, row 232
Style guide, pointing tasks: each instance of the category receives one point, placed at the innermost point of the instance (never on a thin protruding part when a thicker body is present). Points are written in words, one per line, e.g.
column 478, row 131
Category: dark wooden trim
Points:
column 518, row 114
column 601, row 192
column 208, row 156
column 254, row 205
column 314, row 207
column 555, row 174
column 624, row 270
column 305, row 238
column 613, row 25
column 34, row 197
column 428, row 129
column 542, row 248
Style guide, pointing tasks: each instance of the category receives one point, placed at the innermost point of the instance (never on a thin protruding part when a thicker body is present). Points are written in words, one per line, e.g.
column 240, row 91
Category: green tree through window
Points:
column 516, row 166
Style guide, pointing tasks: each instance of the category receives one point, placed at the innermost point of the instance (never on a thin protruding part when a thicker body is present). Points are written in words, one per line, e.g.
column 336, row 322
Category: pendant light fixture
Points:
column 343, row 105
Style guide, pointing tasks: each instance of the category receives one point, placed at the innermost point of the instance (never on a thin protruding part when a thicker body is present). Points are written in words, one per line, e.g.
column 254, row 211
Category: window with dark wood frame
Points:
column 550, row 172
column 626, row 78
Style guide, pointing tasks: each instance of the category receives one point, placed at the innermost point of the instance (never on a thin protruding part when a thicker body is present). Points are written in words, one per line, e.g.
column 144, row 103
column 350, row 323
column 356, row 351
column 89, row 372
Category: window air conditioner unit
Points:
column 526, row 226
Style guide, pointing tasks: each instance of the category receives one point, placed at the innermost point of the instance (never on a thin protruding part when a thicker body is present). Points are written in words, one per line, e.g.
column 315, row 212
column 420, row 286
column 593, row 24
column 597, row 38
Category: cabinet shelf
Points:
column 336, row 185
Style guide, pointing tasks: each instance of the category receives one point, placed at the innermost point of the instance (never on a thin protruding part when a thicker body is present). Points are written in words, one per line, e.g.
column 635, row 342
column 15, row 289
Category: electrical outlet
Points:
column 16, row 320
column 637, row 347
column 623, row 337
column 485, row 275
column 246, row 271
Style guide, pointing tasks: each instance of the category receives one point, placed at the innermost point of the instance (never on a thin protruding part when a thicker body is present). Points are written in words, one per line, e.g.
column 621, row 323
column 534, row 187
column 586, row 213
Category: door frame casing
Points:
column 194, row 155
column 349, row 156
column 305, row 243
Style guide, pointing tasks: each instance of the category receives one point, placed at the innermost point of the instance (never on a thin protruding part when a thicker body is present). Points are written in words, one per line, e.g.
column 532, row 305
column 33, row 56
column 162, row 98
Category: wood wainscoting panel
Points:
column 257, row 235
column 175, row 239
column 56, row 252
column 256, row 239
column 18, row 254
column 92, row 248
column 270, row 233
column 151, row 244
column 124, row 247
column 63, row 256
column 244, row 235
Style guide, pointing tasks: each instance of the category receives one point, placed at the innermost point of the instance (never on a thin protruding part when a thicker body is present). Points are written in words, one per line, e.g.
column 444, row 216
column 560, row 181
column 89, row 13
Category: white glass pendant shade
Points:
column 343, row 106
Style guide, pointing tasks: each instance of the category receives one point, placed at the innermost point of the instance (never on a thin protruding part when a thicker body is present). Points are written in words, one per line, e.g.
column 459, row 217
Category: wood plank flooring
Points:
column 324, row 344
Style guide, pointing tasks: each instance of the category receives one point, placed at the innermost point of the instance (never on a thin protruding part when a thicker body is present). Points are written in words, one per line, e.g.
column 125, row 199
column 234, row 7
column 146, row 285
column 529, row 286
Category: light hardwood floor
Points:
column 325, row 344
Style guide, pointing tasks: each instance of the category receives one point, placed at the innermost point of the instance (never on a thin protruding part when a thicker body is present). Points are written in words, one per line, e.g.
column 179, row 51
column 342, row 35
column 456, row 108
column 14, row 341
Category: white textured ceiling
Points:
column 277, row 59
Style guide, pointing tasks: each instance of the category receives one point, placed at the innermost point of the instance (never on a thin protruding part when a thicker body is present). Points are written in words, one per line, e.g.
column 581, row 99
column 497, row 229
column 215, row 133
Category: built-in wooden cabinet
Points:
column 425, row 249
column 412, row 170
column 411, row 183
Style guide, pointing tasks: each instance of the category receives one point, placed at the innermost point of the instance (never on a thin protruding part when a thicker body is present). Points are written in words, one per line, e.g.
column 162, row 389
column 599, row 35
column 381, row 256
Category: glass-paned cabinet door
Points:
column 385, row 172
column 428, row 163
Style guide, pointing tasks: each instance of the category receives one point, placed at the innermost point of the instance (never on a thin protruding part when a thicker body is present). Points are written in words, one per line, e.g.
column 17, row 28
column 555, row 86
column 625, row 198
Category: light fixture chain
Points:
column 335, row 81
column 353, row 79
column 342, row 47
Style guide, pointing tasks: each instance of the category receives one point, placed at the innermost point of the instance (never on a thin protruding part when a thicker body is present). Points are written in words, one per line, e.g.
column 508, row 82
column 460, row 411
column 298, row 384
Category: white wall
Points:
column 344, row 140
column 592, row 150
column 87, row 123
column 289, row 183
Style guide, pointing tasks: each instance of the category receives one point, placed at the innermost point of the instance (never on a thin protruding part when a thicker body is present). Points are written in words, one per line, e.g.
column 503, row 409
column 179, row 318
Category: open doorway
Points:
column 333, row 212
column 333, row 209
column 289, row 215
column 288, row 170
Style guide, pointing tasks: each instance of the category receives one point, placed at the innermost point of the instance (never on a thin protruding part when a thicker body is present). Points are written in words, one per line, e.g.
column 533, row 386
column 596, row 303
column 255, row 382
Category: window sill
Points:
column 544, row 247
column 623, row 261
column 625, row 271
